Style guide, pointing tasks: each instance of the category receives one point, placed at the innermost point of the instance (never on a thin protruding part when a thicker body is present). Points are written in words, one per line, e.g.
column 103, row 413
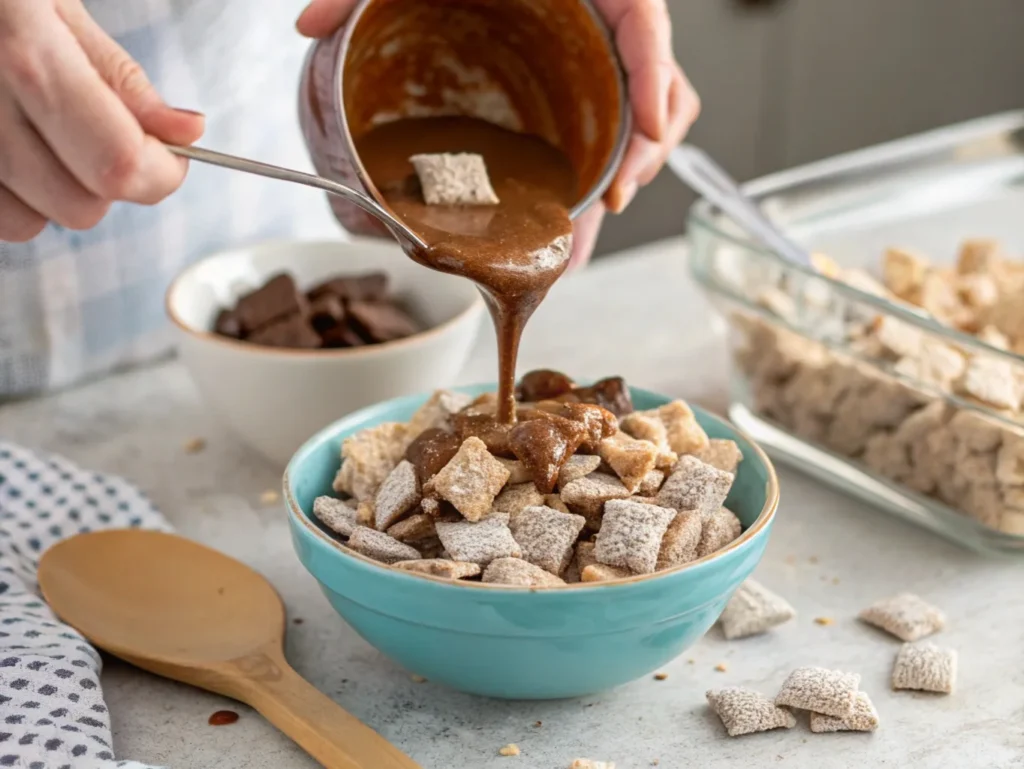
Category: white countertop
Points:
column 638, row 315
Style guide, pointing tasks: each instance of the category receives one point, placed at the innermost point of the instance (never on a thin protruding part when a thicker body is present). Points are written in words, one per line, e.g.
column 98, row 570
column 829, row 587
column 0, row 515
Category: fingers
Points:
column 79, row 116
column 129, row 81
column 33, row 175
column 323, row 17
column 584, row 235
column 18, row 222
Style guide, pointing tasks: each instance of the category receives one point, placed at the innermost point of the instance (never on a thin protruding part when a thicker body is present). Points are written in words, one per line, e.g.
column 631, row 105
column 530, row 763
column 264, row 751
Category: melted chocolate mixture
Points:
column 515, row 250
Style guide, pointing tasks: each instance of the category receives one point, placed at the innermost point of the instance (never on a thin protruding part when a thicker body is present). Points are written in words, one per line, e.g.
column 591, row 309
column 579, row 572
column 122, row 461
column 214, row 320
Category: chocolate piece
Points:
column 487, row 428
column 292, row 332
column 227, row 324
column 544, row 445
column 611, row 393
column 599, row 422
column 543, row 384
column 276, row 299
column 381, row 322
column 372, row 287
column 326, row 312
column 343, row 335
column 432, row 450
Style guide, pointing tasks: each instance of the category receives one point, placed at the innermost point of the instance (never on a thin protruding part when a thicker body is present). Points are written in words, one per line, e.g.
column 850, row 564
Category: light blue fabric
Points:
column 79, row 304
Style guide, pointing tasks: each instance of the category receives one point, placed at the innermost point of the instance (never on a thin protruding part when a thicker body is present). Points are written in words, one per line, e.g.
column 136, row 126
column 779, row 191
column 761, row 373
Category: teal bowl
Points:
column 525, row 643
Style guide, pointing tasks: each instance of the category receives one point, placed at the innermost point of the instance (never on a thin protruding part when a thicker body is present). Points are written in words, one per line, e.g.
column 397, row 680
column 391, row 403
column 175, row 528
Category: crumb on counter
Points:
column 269, row 497
column 660, row 676
column 721, row 667
column 509, row 750
column 194, row 445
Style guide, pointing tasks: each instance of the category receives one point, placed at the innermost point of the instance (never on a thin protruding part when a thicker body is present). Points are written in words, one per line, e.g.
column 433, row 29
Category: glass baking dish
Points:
column 853, row 387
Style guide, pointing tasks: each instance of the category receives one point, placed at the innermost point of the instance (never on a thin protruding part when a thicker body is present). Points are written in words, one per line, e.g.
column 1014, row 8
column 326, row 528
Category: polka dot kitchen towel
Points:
column 52, row 714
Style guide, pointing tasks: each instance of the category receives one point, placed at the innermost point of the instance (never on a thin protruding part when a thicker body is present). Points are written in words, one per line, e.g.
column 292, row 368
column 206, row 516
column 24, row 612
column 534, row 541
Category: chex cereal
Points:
column 718, row 530
column 546, row 536
column 471, row 480
column 515, row 571
column 515, row 498
column 587, row 496
column 744, row 711
column 864, row 718
column 440, row 567
column 578, row 466
column 631, row 534
column 925, row 667
column 721, row 454
column 830, row 692
column 629, row 458
column 480, row 542
column 905, row 616
column 337, row 515
column 754, row 609
column 380, row 547
column 454, row 179
column 695, row 485
column 415, row 528
column 368, row 457
column 681, row 540
column 397, row 495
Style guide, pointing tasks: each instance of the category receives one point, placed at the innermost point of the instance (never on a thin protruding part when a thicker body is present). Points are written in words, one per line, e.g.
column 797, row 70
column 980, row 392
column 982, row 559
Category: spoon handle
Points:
column 331, row 735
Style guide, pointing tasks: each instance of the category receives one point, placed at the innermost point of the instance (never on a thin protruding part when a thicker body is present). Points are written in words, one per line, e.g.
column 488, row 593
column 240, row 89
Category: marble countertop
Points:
column 638, row 315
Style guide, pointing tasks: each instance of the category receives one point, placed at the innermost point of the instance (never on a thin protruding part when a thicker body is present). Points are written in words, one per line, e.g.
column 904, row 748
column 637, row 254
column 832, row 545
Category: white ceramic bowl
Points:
column 274, row 399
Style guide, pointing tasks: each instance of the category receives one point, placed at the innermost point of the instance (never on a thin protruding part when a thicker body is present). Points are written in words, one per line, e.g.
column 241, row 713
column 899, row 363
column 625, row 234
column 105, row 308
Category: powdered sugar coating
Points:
column 721, row 454
column 744, row 711
column 515, row 571
column 515, row 498
column 695, row 485
column 336, row 514
column 754, row 609
column 719, row 529
column 905, row 616
column 588, row 495
column 480, row 542
column 454, row 179
column 925, row 667
column 631, row 459
column 415, row 528
column 380, row 547
column 546, row 536
column 681, row 540
column 577, row 466
column 831, row 692
column 399, row 494
column 471, row 480
column 631, row 535
column 440, row 567
column 864, row 718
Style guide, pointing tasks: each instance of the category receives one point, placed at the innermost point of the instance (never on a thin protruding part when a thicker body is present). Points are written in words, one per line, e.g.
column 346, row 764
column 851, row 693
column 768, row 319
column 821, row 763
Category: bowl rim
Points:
column 760, row 524
column 474, row 309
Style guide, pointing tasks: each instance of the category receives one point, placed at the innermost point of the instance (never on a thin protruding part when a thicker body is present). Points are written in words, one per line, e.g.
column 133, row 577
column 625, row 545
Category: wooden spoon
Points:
column 184, row 611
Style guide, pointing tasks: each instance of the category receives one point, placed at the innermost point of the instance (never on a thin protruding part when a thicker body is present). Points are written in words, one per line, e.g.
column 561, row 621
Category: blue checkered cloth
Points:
column 80, row 304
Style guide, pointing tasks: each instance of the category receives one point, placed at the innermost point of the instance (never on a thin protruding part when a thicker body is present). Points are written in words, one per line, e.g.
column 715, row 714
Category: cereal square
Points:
column 830, row 692
column 903, row 272
column 368, row 457
column 645, row 426
column 515, row 498
column 479, row 542
column 601, row 572
column 399, row 494
column 415, row 528
column 337, row 515
column 437, row 410
column 685, row 435
column 864, row 718
column 515, row 571
column 554, row 501
column 454, row 179
column 440, row 567
column 925, row 667
column 752, row 610
column 629, row 458
column 578, row 466
column 720, row 528
column 546, row 536
column 724, row 455
column 380, row 547
column 695, row 485
column 631, row 535
column 471, row 480
column 905, row 616
column 992, row 382
column 586, row 496
column 651, row 483
column 679, row 545
column 744, row 711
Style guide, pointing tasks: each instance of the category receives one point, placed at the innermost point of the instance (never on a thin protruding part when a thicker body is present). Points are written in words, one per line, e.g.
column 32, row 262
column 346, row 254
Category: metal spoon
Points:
column 707, row 178
column 408, row 239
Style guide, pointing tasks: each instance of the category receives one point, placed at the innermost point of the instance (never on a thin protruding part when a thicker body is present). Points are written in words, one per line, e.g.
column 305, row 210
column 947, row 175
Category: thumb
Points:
column 128, row 80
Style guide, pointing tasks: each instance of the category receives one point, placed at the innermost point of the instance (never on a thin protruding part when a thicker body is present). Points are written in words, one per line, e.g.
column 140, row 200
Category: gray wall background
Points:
column 785, row 82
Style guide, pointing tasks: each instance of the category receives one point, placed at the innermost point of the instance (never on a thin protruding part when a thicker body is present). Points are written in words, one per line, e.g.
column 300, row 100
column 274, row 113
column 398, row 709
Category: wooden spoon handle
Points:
column 332, row 736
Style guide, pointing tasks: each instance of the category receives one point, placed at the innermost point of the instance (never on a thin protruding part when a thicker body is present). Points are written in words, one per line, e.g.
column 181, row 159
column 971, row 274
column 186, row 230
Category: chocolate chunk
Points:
column 291, row 332
column 326, row 312
column 543, row 384
column 487, row 428
column 277, row 299
column 598, row 421
column 342, row 335
column 432, row 450
column 372, row 287
column 544, row 445
column 227, row 324
column 381, row 322
column 611, row 393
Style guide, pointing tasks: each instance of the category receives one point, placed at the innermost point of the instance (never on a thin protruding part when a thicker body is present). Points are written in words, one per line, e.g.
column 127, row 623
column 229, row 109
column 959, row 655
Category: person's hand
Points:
column 80, row 125
column 663, row 102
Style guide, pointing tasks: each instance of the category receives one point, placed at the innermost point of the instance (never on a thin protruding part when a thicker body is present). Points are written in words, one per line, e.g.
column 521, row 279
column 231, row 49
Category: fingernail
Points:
column 189, row 111
column 625, row 195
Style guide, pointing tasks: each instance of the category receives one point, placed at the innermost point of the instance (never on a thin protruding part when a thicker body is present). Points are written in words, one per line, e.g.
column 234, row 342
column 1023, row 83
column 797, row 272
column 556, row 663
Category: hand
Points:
column 663, row 102
column 81, row 126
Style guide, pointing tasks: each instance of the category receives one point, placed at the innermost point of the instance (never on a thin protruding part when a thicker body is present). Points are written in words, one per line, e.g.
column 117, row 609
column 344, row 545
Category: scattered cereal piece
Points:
column 586, row 496
column 509, row 750
column 194, row 445
column 515, row 498
column 578, row 466
column 925, row 667
column 695, row 485
column 824, row 621
column 397, row 495
column 660, row 676
column 681, row 540
column 417, row 679
column 629, row 458
column 415, row 528
column 685, row 435
column 754, row 609
column 719, row 529
column 437, row 410
column 269, row 497
column 554, row 501
column 586, row 763
column 368, row 457
column 631, row 534
column 721, row 454
column 440, row 567
column 864, row 718
column 479, row 542
column 831, row 692
column 471, row 480
column 721, row 667
column 905, row 616
column 744, row 711
column 515, row 571
column 546, row 536
column 517, row 471
column 538, row 724
column 337, row 515
column 454, row 179
column 599, row 572
column 380, row 547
